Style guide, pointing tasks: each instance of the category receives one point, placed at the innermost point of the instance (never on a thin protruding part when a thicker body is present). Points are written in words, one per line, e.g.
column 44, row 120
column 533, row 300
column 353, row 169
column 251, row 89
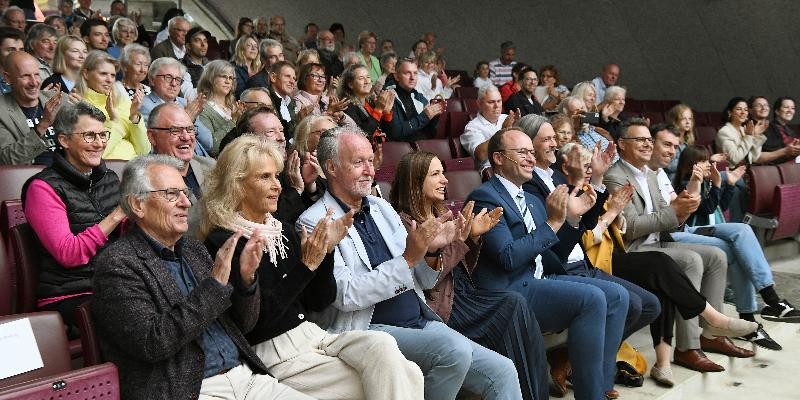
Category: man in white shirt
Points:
column 650, row 219
column 490, row 119
column 608, row 78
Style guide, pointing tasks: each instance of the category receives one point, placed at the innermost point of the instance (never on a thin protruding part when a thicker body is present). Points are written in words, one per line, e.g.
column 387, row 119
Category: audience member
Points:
column 419, row 47
column 413, row 117
column 500, row 69
column 58, row 23
column 271, row 52
column 388, row 64
column 608, row 77
column 123, row 32
column 282, row 85
column 246, row 61
column 185, row 342
column 134, row 63
column 309, row 40
column 760, row 116
column 489, row 120
column 308, row 132
column 387, row 45
column 72, row 207
column 586, row 92
column 84, row 10
column 780, row 137
column 749, row 271
column 367, row 42
column 243, row 28
column 428, row 82
column 498, row 320
column 372, row 115
column 565, row 132
column 171, row 132
column 14, row 17
column 261, row 30
column 196, row 49
column 741, row 139
column 524, row 101
column 585, row 133
column 277, row 31
column 654, row 271
column 67, row 62
column 95, row 33
column 27, row 105
column 610, row 109
column 391, row 299
column 11, row 40
column 308, row 56
column 310, row 97
column 175, row 47
column 65, row 10
column 521, row 249
column 681, row 117
column 256, row 97
column 649, row 219
column 550, row 91
column 320, row 364
column 97, row 86
column 326, row 46
column 512, row 86
column 41, row 44
column 217, row 85
column 480, row 76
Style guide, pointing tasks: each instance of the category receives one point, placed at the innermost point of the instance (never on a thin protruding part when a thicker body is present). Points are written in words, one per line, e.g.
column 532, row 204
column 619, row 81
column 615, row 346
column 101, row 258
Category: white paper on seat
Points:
column 19, row 349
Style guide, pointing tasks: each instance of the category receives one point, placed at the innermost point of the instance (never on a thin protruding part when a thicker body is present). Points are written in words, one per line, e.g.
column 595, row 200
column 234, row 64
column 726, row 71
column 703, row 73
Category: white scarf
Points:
column 271, row 229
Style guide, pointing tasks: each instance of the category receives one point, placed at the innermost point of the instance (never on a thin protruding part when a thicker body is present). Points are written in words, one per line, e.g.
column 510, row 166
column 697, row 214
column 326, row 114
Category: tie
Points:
column 527, row 218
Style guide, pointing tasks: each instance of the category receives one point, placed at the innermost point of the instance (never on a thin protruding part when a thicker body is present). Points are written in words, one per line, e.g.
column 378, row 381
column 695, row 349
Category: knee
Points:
column 455, row 351
column 719, row 260
column 692, row 265
column 592, row 298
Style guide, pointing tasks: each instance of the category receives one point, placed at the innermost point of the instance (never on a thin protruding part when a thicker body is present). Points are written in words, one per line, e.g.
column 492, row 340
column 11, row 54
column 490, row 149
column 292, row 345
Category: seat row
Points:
column 774, row 192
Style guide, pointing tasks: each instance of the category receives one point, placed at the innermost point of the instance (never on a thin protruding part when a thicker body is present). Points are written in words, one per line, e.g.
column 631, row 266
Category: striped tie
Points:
column 527, row 218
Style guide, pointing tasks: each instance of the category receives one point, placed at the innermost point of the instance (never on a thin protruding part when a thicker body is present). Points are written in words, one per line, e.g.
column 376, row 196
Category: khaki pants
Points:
column 241, row 383
column 350, row 365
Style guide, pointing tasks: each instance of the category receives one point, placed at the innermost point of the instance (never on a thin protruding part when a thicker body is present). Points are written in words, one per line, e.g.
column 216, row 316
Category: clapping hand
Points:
column 338, row 228
column 735, row 174
column 602, row 160
column 483, row 221
column 579, row 205
column 250, row 259
column 513, row 117
column 618, row 200
column 419, row 236
column 313, row 248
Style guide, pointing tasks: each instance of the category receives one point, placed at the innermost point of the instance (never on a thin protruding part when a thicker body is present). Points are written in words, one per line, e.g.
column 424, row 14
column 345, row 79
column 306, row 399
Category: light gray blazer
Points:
column 640, row 224
column 359, row 287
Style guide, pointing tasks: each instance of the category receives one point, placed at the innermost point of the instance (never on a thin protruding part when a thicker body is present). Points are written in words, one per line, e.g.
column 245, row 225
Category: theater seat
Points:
column 459, row 164
column 787, row 199
column 13, row 177
column 27, row 259
column 790, row 172
column 655, row 117
column 393, row 152
column 461, row 184
column 441, row 126
column 96, row 382
column 456, row 123
column 6, row 285
column 761, row 181
column 90, row 346
column 471, row 106
column 466, row 92
column 440, row 147
column 705, row 135
column 51, row 339
column 454, row 105
column 117, row 166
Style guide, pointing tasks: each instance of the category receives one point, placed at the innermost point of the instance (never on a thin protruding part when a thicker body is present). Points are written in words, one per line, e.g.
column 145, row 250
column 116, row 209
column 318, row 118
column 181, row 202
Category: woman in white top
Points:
column 428, row 82
column 481, row 75
column 218, row 84
column 740, row 138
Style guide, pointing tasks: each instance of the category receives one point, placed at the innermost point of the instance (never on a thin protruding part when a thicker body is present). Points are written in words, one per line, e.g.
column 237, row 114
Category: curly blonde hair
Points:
column 238, row 53
column 222, row 191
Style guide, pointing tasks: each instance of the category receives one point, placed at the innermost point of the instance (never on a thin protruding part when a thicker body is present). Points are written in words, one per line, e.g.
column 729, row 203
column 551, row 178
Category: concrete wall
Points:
column 702, row 52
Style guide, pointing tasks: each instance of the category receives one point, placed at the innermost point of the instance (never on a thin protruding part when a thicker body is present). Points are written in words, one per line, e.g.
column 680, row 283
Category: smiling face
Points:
column 83, row 156
column 617, row 102
column 529, row 82
column 284, row 82
column 515, row 162
column 760, row 109
column 223, row 83
column 634, row 148
column 351, row 177
column 45, row 47
column 785, row 113
column 101, row 78
column 664, row 149
column 361, row 85
column 435, row 183
column 75, row 55
column 590, row 97
column 262, row 188
column 180, row 146
column 738, row 115
column 126, row 35
column 137, row 70
column 164, row 220
column 23, row 76
column 564, row 133
column 315, row 81
column 610, row 74
column 545, row 146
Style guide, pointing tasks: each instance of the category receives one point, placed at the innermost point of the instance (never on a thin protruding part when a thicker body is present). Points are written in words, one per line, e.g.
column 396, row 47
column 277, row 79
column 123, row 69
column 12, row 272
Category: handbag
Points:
column 631, row 366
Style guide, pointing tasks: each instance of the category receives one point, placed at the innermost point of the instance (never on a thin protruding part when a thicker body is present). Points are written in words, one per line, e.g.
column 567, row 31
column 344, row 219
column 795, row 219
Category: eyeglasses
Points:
column 522, row 153
column 316, row 77
column 227, row 77
column 173, row 194
column 170, row 79
column 640, row 140
column 91, row 137
column 175, row 131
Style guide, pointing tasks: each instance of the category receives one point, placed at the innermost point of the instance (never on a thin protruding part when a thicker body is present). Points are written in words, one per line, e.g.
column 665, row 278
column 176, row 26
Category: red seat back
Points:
column 461, row 184
column 51, row 338
column 761, row 183
column 460, row 164
column 96, row 382
column 393, row 152
column 456, row 123
column 471, row 106
column 655, row 117
column 90, row 346
column 13, row 177
column 788, row 211
column 27, row 259
column 790, row 172
column 440, row 147
column 705, row 135
column 466, row 92
column 454, row 105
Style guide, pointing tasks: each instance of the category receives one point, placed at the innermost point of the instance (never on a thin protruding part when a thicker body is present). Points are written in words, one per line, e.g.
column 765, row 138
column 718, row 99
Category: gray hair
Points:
column 614, row 90
column 385, row 57
column 350, row 56
column 564, row 104
column 10, row 10
column 68, row 115
column 171, row 23
column 530, row 124
column 131, row 50
column 247, row 92
column 155, row 115
column 158, row 63
column 119, row 24
column 328, row 146
column 39, row 32
column 484, row 90
column 266, row 44
column 136, row 181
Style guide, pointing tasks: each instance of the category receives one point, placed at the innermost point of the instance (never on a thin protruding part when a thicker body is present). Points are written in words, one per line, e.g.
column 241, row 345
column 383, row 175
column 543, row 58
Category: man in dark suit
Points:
column 171, row 318
column 524, row 101
column 644, row 306
column 175, row 45
column 26, row 114
column 523, row 248
column 283, row 82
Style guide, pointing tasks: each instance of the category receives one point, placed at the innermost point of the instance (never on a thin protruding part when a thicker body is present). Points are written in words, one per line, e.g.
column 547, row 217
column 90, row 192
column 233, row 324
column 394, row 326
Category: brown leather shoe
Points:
column 612, row 394
column 696, row 360
column 560, row 369
column 723, row 345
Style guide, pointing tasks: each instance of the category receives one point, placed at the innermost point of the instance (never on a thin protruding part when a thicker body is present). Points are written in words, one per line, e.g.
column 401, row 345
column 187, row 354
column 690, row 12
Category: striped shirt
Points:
column 500, row 73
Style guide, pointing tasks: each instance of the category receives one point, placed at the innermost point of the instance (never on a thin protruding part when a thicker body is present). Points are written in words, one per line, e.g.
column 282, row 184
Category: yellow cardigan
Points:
column 127, row 139
column 600, row 254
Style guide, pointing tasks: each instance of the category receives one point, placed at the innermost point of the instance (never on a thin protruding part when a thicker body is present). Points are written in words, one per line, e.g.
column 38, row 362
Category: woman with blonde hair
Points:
column 67, row 62
column 218, row 84
column 97, row 85
column 246, row 61
column 586, row 92
column 682, row 118
column 296, row 278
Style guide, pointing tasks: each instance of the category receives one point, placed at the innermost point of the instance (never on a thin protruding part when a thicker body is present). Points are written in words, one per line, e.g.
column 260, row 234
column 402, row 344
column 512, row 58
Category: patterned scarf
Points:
column 271, row 229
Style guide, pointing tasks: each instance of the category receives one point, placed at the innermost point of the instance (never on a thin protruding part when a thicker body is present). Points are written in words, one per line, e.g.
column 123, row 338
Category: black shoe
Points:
column 761, row 338
column 783, row 312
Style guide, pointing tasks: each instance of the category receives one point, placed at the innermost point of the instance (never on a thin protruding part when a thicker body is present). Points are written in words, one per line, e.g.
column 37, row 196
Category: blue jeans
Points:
column 594, row 311
column 448, row 359
column 748, row 268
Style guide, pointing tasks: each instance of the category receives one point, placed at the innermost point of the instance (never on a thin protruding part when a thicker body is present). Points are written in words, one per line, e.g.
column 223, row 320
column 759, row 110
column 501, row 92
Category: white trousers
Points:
column 241, row 383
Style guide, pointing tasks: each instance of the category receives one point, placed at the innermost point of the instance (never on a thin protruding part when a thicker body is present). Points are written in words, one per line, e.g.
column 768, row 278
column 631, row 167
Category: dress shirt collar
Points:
column 547, row 177
column 511, row 188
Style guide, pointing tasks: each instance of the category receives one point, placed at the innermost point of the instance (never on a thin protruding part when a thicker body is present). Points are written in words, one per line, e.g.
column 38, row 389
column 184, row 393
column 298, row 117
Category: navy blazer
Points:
column 507, row 259
column 540, row 189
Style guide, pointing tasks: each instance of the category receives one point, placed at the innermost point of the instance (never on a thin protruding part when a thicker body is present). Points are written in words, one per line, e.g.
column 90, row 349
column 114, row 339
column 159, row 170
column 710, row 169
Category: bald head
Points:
column 22, row 73
column 15, row 58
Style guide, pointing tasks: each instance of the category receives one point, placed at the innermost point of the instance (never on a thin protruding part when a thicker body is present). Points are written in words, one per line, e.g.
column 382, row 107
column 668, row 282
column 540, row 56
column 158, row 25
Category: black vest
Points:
column 88, row 200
